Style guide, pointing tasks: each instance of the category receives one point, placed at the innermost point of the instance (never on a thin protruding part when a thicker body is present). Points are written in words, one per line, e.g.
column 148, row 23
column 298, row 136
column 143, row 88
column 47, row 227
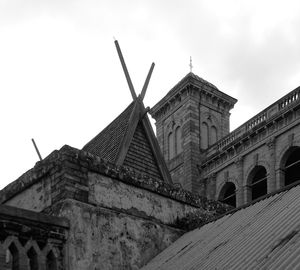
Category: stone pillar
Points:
column 272, row 160
column 280, row 178
column 203, row 187
column 23, row 260
column 211, row 187
column 240, row 179
column 247, row 194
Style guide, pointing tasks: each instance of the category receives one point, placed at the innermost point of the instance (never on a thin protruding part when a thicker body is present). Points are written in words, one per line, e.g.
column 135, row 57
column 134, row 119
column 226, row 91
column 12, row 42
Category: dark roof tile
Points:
column 107, row 143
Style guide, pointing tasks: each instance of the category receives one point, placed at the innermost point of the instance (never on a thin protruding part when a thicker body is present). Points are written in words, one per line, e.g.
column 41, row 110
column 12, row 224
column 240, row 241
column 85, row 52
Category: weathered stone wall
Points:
column 108, row 193
column 103, row 238
column 35, row 198
column 119, row 219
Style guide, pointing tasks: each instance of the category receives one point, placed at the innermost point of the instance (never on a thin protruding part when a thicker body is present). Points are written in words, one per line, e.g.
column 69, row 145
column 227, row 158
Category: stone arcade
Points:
column 127, row 196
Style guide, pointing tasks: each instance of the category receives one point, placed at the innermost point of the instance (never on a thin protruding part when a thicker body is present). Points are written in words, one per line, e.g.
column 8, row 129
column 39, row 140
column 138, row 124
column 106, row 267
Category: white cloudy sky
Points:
column 61, row 81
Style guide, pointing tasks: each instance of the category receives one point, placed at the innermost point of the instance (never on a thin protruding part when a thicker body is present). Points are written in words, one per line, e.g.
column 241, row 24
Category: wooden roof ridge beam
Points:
column 147, row 81
column 133, row 94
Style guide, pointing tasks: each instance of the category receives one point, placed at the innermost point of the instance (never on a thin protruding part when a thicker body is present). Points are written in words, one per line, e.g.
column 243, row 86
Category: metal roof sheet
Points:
column 264, row 235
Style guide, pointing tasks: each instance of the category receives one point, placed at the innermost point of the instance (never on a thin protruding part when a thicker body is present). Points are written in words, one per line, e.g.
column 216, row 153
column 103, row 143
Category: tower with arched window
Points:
column 193, row 116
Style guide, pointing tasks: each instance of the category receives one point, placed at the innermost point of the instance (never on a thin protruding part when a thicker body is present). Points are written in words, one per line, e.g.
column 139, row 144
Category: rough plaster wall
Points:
column 103, row 239
column 110, row 193
column 35, row 198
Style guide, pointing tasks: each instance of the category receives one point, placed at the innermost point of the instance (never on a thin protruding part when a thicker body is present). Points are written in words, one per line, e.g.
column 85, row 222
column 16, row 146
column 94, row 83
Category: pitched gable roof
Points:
column 264, row 235
column 130, row 141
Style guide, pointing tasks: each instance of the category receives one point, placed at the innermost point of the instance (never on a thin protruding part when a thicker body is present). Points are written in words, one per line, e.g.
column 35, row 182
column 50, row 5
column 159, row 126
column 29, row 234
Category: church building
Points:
column 193, row 196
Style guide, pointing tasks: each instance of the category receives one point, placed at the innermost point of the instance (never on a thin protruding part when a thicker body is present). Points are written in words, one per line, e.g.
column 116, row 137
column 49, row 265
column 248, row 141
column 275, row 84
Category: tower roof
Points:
column 196, row 81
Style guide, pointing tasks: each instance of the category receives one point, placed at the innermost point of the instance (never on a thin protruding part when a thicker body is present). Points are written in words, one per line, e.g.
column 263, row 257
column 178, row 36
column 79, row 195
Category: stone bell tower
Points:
column 193, row 116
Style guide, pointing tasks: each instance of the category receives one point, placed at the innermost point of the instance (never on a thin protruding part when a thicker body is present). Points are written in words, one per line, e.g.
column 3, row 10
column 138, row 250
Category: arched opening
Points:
column 227, row 194
column 258, row 182
column 292, row 166
column 213, row 135
column 33, row 259
column 14, row 253
column 178, row 140
column 204, row 136
column 171, row 148
column 51, row 261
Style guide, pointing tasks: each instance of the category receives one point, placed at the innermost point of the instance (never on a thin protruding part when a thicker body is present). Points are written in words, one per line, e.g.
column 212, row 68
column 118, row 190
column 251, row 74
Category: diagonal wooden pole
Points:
column 147, row 81
column 36, row 149
column 133, row 94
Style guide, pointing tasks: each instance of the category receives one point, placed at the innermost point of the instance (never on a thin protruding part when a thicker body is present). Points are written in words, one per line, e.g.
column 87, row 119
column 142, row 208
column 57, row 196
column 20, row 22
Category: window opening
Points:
column 259, row 182
column 51, row 261
column 228, row 194
column 178, row 140
column 33, row 260
column 292, row 167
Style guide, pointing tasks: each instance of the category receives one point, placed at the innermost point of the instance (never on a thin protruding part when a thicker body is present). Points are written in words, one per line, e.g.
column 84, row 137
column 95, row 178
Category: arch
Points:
column 33, row 259
column 257, row 182
column 178, row 140
column 213, row 135
column 51, row 262
column 15, row 256
column 228, row 194
column 290, row 165
column 171, row 148
column 204, row 135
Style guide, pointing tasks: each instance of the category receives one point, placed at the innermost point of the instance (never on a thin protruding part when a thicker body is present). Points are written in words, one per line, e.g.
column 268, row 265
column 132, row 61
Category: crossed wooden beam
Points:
column 144, row 89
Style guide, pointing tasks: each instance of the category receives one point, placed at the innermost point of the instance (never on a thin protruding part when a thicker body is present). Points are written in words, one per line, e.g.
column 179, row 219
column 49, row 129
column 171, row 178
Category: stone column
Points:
column 211, row 187
column 271, row 182
column 240, row 179
column 280, row 178
column 247, row 194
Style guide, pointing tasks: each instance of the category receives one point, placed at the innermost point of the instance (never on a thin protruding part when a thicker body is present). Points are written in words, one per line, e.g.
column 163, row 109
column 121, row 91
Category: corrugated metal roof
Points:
column 264, row 235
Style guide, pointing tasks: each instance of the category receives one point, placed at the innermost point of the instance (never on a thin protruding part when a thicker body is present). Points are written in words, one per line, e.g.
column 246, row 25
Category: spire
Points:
column 191, row 64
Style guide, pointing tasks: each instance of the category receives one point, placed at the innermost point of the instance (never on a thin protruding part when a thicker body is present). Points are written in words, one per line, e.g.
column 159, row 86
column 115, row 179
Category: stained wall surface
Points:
column 118, row 219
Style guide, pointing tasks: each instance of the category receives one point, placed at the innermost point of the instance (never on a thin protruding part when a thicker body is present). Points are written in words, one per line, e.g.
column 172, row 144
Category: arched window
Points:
column 213, row 135
column 258, row 182
column 51, row 261
column 227, row 194
column 204, row 136
column 178, row 140
column 171, row 146
column 14, row 252
column 292, row 166
column 33, row 260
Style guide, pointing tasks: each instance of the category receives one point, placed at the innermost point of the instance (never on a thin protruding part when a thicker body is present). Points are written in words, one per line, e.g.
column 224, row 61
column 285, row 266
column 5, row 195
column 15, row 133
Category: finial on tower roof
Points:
column 191, row 64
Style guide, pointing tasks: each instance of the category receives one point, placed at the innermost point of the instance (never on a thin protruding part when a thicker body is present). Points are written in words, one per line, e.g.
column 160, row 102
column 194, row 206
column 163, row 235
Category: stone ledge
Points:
column 14, row 213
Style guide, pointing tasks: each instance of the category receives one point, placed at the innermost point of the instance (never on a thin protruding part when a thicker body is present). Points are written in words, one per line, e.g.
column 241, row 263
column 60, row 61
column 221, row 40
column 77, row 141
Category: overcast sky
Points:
column 61, row 81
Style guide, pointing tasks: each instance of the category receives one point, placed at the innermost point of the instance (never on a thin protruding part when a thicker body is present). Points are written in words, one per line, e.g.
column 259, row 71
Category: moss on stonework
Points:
column 71, row 163
column 199, row 218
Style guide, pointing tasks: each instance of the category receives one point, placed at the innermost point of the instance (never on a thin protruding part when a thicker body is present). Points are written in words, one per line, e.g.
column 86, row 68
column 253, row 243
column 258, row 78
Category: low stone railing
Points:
column 269, row 113
column 30, row 240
